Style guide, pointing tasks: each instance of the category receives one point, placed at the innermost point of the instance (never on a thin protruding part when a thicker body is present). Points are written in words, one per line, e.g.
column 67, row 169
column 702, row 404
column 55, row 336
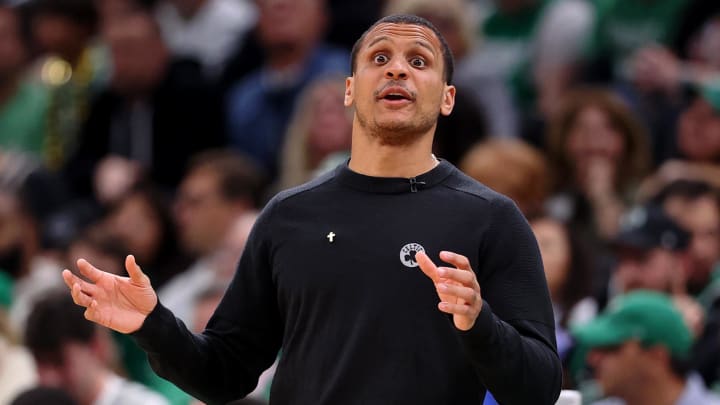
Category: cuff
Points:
column 151, row 334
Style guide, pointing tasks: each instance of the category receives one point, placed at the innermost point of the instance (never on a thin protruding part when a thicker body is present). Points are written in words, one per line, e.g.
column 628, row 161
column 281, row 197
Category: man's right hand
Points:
column 119, row 303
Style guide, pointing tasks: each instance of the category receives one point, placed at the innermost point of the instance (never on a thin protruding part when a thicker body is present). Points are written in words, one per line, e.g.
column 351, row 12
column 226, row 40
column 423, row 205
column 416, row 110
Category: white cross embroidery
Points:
column 331, row 237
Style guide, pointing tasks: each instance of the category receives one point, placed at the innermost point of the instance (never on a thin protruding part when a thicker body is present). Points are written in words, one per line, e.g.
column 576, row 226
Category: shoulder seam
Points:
column 286, row 194
column 460, row 190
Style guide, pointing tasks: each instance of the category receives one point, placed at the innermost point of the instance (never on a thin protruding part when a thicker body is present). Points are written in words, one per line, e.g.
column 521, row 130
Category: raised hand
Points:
column 119, row 303
column 456, row 286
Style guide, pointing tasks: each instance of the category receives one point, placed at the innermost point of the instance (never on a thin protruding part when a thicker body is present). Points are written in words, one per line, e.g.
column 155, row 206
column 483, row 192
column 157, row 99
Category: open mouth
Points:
column 395, row 97
column 395, row 94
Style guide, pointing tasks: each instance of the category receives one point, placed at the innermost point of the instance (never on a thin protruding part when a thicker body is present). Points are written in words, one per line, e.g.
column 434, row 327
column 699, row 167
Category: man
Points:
column 153, row 101
column 651, row 250
column 219, row 188
column 638, row 350
column 695, row 206
column 77, row 356
column 260, row 105
column 330, row 272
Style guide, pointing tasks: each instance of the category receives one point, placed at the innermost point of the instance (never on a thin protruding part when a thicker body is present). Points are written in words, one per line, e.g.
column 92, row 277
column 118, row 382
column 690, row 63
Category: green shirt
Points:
column 23, row 119
column 624, row 26
column 507, row 44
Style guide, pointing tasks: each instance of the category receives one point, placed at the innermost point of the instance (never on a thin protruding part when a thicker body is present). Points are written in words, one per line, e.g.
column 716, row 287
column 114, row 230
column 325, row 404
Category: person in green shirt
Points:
column 623, row 27
column 23, row 105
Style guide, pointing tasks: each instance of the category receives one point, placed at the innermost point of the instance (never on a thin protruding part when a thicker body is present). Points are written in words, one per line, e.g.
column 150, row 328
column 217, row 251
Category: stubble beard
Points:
column 397, row 132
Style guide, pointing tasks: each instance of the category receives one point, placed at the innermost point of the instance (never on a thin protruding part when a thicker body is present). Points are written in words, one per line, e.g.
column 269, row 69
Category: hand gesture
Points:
column 119, row 303
column 456, row 286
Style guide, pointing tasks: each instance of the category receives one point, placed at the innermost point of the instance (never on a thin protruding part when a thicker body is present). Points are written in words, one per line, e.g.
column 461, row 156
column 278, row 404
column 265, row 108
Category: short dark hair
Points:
column 54, row 321
column 43, row 395
column 240, row 177
column 687, row 190
column 449, row 63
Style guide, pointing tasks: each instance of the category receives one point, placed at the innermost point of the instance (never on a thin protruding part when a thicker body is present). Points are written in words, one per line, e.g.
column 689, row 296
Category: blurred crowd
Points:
column 161, row 127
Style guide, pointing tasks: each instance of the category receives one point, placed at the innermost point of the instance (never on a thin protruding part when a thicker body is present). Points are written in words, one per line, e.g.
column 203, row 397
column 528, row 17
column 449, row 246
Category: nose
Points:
column 396, row 70
column 594, row 358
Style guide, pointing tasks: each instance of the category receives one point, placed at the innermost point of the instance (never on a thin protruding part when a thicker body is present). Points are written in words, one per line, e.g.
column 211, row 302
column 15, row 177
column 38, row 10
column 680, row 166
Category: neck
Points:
column 665, row 393
column 94, row 386
column 371, row 157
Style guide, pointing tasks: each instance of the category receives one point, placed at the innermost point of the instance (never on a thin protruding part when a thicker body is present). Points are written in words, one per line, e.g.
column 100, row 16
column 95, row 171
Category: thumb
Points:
column 134, row 271
column 426, row 265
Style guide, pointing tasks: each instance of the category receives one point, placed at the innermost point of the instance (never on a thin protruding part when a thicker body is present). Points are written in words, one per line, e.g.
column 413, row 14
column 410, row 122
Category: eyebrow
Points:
column 386, row 38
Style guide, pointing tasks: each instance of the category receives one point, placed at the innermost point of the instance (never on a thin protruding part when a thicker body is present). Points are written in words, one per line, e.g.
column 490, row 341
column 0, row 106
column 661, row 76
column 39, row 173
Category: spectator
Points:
column 639, row 349
column 652, row 255
column 320, row 127
column 23, row 104
column 153, row 102
column 525, row 46
column 261, row 104
column 76, row 67
column 651, row 252
column 696, row 207
column 623, row 27
column 76, row 356
column 698, row 143
column 513, row 168
column 600, row 154
column 568, row 273
column 219, row 187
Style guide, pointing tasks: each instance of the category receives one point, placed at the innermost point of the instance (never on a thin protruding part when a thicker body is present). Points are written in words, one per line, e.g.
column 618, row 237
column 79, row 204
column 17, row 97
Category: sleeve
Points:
column 512, row 344
column 241, row 340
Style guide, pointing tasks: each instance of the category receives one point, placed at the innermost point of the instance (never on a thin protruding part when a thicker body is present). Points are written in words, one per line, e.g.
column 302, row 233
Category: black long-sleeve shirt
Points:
column 328, row 274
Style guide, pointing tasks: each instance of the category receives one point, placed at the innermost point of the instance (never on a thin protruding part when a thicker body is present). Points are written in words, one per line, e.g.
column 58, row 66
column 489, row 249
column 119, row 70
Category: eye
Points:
column 380, row 59
column 417, row 62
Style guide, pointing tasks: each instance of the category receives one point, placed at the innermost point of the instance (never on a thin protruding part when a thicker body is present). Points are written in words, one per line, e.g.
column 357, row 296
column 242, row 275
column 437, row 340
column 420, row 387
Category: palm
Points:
column 122, row 304
column 119, row 303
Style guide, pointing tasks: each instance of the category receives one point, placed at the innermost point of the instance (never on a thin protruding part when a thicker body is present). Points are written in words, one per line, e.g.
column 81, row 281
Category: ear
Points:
column 349, row 85
column 448, row 100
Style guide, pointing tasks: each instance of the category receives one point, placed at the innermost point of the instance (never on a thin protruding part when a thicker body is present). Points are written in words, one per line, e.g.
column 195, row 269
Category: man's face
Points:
column 700, row 217
column 653, row 269
column 618, row 369
column 138, row 53
column 699, row 131
column 398, row 87
column 202, row 214
column 290, row 23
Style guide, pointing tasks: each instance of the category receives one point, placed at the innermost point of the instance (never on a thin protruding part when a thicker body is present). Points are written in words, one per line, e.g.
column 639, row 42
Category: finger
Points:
column 457, row 260
column 466, row 294
column 134, row 271
column 91, row 311
column 79, row 297
column 464, row 277
column 71, row 279
column 88, row 270
column 427, row 266
column 456, row 309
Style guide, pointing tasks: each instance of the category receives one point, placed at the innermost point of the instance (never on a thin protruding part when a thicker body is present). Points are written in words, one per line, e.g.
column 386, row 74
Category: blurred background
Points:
column 161, row 127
